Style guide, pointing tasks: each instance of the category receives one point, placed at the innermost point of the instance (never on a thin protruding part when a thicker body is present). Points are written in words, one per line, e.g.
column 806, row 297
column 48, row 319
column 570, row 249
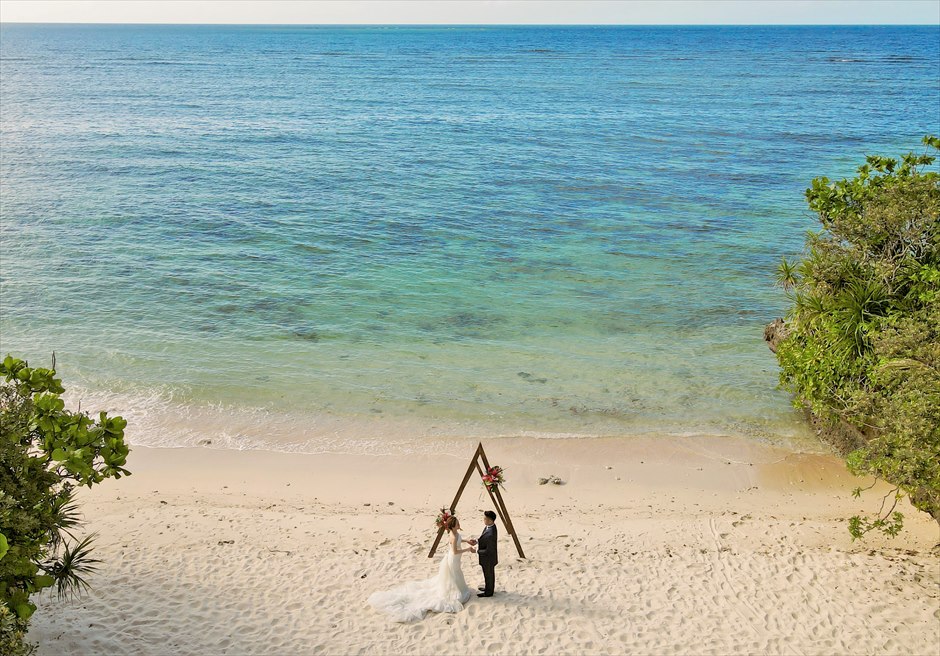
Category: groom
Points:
column 486, row 550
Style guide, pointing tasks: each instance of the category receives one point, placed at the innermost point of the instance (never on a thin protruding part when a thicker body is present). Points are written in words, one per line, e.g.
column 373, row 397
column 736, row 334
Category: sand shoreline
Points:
column 698, row 545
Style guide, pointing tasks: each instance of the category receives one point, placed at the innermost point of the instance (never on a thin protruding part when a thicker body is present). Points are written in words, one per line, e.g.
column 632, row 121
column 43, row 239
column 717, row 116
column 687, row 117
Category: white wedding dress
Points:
column 445, row 593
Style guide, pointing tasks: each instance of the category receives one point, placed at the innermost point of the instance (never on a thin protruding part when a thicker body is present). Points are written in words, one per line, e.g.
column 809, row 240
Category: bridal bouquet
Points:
column 442, row 517
column 493, row 478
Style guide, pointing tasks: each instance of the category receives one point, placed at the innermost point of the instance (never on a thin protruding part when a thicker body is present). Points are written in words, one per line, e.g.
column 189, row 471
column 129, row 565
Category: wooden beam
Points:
column 501, row 504
column 500, row 507
column 453, row 505
column 499, row 511
column 495, row 497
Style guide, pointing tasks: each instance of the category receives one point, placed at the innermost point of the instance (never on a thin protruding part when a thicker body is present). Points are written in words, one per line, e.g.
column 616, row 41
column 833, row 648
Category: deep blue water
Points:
column 429, row 230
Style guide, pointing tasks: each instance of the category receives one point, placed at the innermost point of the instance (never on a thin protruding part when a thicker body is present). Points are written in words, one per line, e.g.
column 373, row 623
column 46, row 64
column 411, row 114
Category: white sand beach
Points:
column 678, row 546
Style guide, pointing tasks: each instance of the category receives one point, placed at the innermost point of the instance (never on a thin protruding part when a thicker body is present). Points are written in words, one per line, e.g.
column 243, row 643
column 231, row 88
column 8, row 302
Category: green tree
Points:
column 862, row 348
column 46, row 452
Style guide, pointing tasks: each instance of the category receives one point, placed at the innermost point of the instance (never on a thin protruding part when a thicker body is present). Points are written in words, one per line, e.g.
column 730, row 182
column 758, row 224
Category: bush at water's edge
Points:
column 860, row 345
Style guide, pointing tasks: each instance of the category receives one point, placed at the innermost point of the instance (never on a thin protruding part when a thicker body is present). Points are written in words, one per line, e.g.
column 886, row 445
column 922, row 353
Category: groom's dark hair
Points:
column 490, row 514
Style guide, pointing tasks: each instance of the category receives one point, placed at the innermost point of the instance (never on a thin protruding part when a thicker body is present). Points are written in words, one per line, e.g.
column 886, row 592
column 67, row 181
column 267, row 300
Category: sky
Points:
column 527, row 12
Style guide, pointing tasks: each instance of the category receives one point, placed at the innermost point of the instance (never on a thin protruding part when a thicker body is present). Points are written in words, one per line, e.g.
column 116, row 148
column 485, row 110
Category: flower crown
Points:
column 443, row 518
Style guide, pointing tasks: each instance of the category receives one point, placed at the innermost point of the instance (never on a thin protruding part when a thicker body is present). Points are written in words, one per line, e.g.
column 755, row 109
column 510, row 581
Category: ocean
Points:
column 365, row 239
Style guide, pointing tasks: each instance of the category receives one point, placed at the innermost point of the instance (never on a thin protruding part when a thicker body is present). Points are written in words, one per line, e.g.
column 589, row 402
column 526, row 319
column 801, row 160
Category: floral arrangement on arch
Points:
column 443, row 517
column 493, row 478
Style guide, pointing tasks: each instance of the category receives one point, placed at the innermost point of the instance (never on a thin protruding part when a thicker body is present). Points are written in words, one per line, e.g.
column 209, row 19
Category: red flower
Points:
column 493, row 478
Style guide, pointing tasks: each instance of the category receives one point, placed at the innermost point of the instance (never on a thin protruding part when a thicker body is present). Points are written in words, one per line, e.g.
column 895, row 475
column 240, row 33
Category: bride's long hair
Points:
column 451, row 524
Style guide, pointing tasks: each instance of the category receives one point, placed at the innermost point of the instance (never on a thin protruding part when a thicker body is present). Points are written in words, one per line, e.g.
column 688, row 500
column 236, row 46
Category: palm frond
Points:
column 808, row 266
column 858, row 303
column 72, row 567
column 66, row 518
column 786, row 274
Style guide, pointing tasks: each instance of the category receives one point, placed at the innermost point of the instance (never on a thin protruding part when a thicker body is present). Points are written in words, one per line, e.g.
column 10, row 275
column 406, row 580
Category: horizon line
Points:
column 935, row 25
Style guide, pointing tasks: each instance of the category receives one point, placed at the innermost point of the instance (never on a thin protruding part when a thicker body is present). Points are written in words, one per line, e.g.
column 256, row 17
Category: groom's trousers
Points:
column 489, row 578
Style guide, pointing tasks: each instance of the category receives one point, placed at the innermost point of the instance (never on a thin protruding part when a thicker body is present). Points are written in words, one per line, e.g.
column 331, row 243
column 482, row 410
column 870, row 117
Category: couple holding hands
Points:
column 447, row 592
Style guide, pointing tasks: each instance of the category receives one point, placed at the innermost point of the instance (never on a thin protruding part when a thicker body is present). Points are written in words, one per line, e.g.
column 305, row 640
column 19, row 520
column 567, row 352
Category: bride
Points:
column 445, row 593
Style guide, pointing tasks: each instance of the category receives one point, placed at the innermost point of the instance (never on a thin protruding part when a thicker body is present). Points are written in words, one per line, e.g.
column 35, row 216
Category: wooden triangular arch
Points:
column 495, row 496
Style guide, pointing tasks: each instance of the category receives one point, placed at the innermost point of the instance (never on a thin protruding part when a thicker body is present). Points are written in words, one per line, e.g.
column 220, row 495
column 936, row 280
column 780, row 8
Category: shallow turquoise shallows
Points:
column 429, row 231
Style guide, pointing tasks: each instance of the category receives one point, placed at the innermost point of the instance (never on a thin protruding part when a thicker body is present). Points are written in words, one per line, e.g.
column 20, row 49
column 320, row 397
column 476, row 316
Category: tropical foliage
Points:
column 862, row 351
column 46, row 453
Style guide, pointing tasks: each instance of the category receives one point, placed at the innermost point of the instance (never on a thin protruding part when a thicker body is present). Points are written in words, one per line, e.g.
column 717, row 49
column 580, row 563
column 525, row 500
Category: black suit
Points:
column 486, row 550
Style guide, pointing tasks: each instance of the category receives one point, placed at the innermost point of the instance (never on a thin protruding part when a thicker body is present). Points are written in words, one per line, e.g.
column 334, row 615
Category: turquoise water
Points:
column 297, row 237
